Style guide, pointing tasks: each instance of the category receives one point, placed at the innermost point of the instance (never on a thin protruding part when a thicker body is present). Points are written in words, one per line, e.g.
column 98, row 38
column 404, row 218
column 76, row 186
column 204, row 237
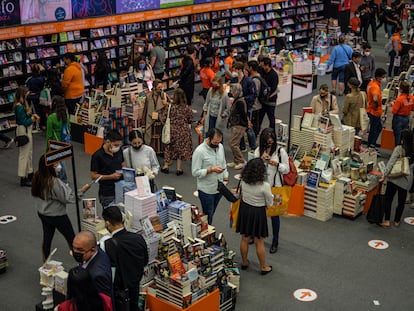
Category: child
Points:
column 355, row 23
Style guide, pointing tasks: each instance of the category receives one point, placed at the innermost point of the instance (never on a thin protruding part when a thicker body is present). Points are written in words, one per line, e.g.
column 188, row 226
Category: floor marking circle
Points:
column 378, row 244
column 305, row 295
column 409, row 220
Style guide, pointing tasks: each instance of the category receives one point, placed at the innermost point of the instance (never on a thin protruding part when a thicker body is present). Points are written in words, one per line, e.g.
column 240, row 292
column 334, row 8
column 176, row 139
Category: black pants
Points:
column 71, row 104
column 50, row 224
column 270, row 112
column 159, row 75
column 256, row 121
column 392, row 189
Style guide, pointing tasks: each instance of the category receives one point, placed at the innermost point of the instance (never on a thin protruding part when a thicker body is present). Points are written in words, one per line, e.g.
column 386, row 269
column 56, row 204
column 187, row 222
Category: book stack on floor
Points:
column 325, row 141
column 353, row 204
column 319, row 202
column 342, row 187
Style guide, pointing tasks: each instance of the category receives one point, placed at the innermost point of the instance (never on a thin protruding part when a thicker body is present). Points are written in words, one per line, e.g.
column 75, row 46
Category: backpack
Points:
column 289, row 179
column 264, row 90
column 45, row 99
column 66, row 137
column 388, row 46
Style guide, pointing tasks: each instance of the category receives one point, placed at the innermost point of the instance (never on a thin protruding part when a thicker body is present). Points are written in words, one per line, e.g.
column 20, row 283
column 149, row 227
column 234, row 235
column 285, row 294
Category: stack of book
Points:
column 140, row 207
column 319, row 202
column 228, row 295
column 342, row 186
column 344, row 139
column 353, row 204
column 303, row 138
column 325, row 141
column 95, row 225
column 181, row 212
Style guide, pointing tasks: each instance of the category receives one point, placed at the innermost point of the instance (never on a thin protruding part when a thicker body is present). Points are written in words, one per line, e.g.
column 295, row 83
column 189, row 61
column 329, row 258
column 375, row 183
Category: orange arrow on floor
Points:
column 379, row 244
column 305, row 294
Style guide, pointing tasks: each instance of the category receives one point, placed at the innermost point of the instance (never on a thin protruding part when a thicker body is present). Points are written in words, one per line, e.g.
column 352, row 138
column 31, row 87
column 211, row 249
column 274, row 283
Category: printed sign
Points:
column 58, row 155
column 9, row 13
column 409, row 220
column 82, row 8
column 378, row 244
column 305, row 295
column 126, row 6
column 32, row 11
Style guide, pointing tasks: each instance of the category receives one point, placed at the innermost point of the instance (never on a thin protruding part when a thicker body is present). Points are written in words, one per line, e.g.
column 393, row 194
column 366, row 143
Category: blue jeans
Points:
column 275, row 227
column 251, row 136
column 211, row 122
column 62, row 174
column 375, row 128
column 209, row 203
column 390, row 29
column 398, row 124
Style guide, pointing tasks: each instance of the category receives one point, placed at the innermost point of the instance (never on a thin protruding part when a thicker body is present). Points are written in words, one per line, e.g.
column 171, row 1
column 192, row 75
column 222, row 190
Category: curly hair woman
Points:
column 252, row 222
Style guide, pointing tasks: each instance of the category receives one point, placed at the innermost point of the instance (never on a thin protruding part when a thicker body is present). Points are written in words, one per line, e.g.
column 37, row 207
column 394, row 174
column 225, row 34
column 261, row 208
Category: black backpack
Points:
column 264, row 90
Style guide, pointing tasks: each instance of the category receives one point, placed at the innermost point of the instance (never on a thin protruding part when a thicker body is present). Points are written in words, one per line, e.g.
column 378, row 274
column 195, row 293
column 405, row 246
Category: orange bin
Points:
column 92, row 143
column 209, row 303
column 387, row 139
column 296, row 200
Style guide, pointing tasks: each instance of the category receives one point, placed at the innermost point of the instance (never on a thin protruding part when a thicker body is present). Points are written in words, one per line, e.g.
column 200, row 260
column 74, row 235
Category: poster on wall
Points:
column 129, row 6
column 9, row 13
column 206, row 1
column 89, row 8
column 344, row 5
column 39, row 11
column 174, row 3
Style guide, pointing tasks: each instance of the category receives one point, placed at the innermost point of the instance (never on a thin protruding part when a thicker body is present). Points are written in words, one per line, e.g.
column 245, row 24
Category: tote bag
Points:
column 166, row 130
column 363, row 116
column 400, row 168
column 280, row 201
column 234, row 214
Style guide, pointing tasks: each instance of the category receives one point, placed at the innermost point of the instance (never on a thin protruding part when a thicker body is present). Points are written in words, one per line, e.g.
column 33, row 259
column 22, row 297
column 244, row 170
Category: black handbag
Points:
column 22, row 140
column 376, row 210
column 226, row 192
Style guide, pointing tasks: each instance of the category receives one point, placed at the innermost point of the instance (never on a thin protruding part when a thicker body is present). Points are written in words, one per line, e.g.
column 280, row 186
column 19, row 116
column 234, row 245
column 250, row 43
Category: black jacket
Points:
column 100, row 270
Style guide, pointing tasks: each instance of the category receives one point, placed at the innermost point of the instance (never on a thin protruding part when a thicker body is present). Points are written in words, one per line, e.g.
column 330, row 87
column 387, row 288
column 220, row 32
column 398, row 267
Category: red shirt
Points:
column 403, row 105
column 355, row 23
column 68, row 306
column 206, row 76
column 374, row 87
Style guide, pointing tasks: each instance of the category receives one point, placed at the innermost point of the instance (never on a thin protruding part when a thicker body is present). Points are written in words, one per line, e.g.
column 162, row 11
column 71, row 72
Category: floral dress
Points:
column 180, row 146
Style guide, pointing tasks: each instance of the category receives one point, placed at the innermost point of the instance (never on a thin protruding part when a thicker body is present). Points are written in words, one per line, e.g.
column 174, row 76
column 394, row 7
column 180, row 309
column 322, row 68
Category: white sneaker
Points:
column 8, row 145
column 231, row 164
column 238, row 166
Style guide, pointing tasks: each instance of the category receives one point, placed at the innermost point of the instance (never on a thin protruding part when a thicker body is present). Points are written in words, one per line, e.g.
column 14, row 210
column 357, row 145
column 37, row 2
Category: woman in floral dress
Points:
column 180, row 147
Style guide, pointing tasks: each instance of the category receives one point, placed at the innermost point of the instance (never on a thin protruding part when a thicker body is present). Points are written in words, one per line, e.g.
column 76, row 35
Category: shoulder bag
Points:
column 377, row 208
column 234, row 208
column 401, row 167
column 166, row 130
column 280, row 199
column 363, row 116
column 22, row 140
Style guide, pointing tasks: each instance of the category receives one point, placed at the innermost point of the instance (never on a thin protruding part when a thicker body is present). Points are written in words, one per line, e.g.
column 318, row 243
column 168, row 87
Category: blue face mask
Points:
column 142, row 66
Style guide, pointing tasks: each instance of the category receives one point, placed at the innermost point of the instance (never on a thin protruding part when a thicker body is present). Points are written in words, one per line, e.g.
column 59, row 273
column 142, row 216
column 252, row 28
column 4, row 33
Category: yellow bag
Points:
column 234, row 213
column 281, row 197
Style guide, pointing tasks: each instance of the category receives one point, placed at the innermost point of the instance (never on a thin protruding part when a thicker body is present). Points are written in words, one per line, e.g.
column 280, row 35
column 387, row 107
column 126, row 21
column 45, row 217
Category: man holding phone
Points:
column 209, row 167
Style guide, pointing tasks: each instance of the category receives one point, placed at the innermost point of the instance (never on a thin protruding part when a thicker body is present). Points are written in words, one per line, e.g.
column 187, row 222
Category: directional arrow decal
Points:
column 409, row 220
column 378, row 244
column 305, row 295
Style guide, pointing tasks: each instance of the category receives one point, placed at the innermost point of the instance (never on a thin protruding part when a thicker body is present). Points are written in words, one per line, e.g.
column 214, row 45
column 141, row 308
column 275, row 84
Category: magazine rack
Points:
column 209, row 303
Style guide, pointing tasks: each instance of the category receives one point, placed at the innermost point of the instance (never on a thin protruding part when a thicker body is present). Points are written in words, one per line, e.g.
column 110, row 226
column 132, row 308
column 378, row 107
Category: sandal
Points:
column 397, row 224
column 385, row 224
column 165, row 170
column 244, row 267
column 264, row 272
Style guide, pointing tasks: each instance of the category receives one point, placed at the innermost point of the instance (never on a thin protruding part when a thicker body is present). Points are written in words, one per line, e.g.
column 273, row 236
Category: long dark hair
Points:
column 136, row 134
column 59, row 107
column 407, row 144
column 82, row 291
column 179, row 97
column 254, row 172
column 264, row 137
column 42, row 182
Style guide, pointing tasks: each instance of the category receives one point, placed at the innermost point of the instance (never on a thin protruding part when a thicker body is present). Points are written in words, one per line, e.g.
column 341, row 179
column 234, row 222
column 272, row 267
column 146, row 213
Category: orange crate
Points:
column 92, row 143
column 387, row 139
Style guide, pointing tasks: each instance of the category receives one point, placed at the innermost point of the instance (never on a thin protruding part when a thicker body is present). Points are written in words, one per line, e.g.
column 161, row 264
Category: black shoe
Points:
column 165, row 170
column 30, row 177
column 264, row 272
column 179, row 172
column 24, row 182
column 273, row 248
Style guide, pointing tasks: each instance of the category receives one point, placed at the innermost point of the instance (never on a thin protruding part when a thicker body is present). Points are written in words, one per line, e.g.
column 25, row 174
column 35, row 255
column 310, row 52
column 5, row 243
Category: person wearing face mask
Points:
column 367, row 66
column 217, row 102
column 143, row 71
column 407, row 60
column 155, row 102
column 395, row 61
column 374, row 108
column 228, row 62
column 206, row 76
column 91, row 257
column 352, row 70
column 128, row 254
column 104, row 163
column 277, row 164
column 324, row 103
column 216, row 60
column 355, row 23
column 51, row 196
column 141, row 157
column 209, row 166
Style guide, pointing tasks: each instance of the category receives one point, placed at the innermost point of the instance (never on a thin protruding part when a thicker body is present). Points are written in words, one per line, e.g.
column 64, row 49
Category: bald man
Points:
column 90, row 257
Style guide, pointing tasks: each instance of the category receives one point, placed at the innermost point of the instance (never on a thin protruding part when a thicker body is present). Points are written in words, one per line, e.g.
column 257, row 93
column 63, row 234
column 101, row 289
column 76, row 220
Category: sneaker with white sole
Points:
column 238, row 166
column 231, row 164
column 9, row 144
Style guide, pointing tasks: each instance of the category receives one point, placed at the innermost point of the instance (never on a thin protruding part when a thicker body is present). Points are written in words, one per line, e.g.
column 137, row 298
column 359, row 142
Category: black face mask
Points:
column 137, row 147
column 214, row 146
column 230, row 94
column 78, row 256
column 323, row 96
column 269, row 145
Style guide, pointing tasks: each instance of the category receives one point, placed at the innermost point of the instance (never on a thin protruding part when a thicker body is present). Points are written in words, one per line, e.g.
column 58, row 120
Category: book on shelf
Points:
column 63, row 36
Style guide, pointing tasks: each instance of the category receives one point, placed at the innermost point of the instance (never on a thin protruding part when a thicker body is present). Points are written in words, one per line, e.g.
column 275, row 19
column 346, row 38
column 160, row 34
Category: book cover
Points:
column 336, row 121
column 315, row 149
column 313, row 179
column 143, row 186
column 307, row 120
column 128, row 174
column 176, row 265
column 323, row 124
column 293, row 151
column 162, row 200
column 156, row 223
column 89, row 208
column 170, row 193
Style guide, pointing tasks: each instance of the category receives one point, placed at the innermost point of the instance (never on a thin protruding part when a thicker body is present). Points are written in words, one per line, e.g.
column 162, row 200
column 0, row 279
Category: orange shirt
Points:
column 374, row 87
column 403, row 105
column 355, row 23
column 216, row 65
column 229, row 61
column 397, row 37
column 206, row 76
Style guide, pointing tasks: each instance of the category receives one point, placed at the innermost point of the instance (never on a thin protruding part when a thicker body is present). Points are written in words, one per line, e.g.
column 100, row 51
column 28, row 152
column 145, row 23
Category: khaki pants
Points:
column 237, row 132
column 25, row 165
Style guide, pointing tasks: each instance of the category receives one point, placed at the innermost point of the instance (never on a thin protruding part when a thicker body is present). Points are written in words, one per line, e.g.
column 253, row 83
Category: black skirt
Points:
column 252, row 221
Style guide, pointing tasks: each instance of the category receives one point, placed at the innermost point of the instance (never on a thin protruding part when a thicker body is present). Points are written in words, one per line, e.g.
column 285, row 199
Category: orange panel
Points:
column 92, row 143
column 387, row 139
column 297, row 197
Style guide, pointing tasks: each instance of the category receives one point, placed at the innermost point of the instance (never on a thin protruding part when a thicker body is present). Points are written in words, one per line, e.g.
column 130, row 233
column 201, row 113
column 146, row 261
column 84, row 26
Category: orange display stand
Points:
column 296, row 200
column 92, row 143
column 368, row 200
column 209, row 303
column 387, row 139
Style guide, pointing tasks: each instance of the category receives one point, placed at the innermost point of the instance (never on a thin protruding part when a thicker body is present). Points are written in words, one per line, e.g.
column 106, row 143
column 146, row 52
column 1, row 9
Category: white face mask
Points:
column 58, row 168
column 357, row 15
column 115, row 149
column 234, row 54
column 411, row 55
column 367, row 53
